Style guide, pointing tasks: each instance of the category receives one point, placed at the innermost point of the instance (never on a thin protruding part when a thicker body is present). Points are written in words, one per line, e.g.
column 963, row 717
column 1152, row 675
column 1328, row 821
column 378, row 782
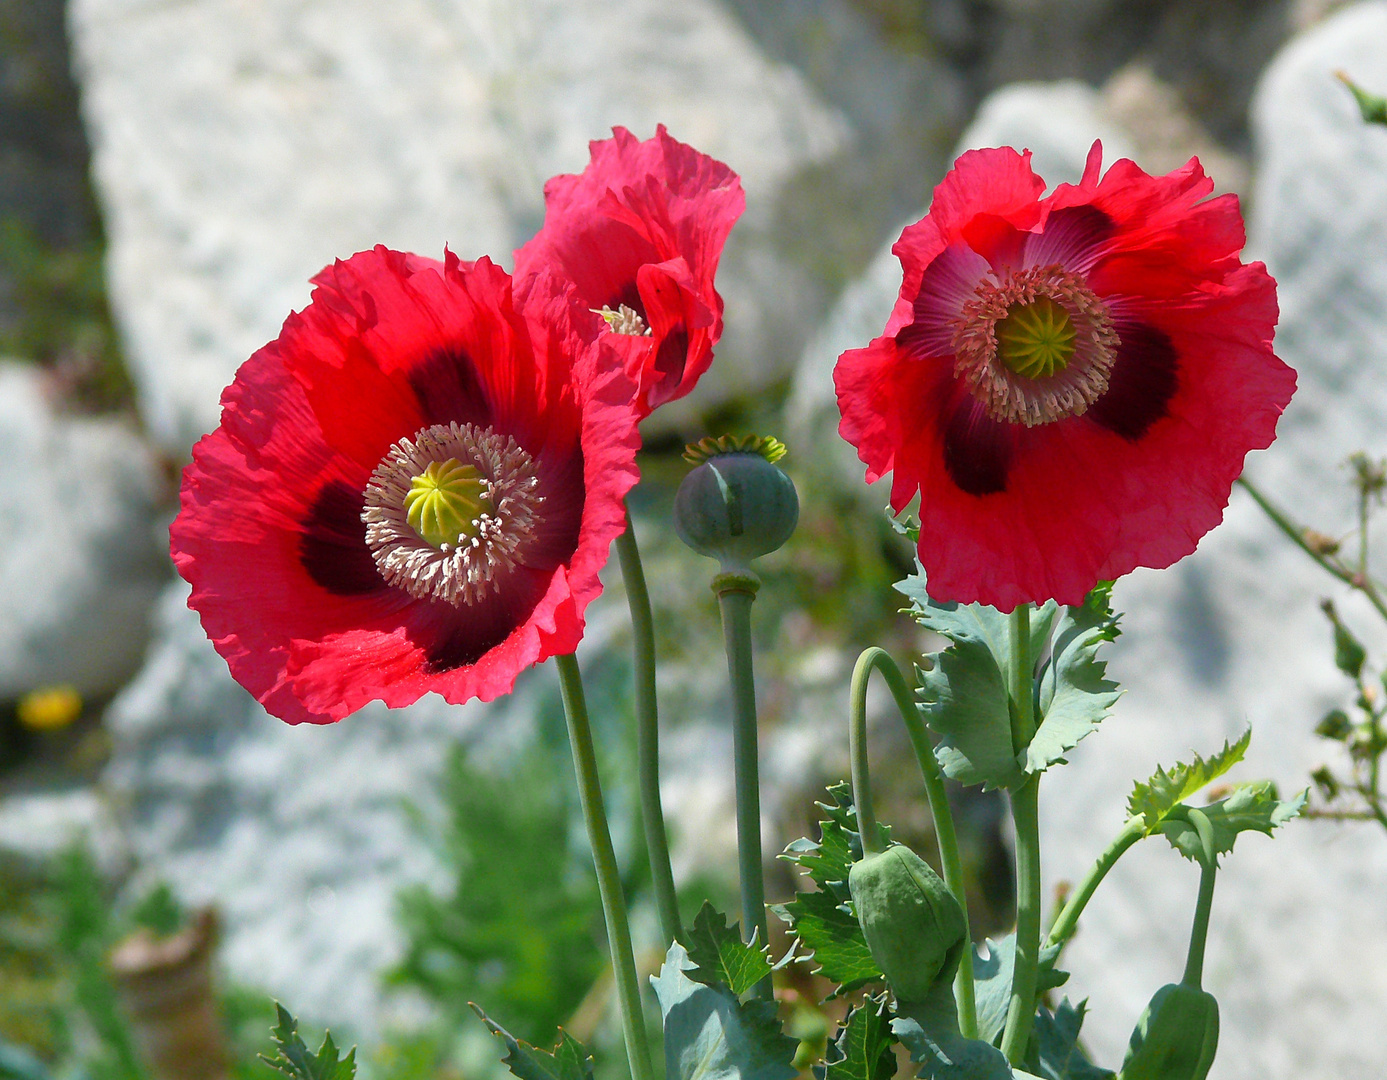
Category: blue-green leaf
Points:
column 964, row 699
column 929, row 1030
column 293, row 1058
column 721, row 956
column 833, row 937
column 992, row 982
column 569, row 1060
column 1252, row 807
column 828, row 859
column 711, row 1035
column 1055, row 1052
column 1153, row 800
column 1074, row 694
column 862, row 1050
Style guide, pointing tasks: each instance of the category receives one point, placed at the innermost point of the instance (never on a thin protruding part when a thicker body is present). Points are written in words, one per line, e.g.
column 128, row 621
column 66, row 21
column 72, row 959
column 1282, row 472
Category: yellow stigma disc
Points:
column 445, row 503
column 1036, row 340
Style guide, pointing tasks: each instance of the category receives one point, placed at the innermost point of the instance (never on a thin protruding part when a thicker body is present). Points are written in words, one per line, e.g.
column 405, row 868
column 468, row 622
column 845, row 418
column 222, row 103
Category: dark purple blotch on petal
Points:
column 448, row 389
column 670, row 359
column 977, row 449
column 333, row 546
column 1141, row 383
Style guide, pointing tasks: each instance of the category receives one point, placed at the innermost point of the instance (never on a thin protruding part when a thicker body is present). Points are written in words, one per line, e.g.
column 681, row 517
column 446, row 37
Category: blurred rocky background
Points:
column 172, row 173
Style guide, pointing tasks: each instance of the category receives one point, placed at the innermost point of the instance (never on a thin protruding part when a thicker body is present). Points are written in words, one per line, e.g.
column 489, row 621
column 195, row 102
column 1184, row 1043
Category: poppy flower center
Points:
column 452, row 511
column 624, row 320
column 1036, row 339
column 1036, row 346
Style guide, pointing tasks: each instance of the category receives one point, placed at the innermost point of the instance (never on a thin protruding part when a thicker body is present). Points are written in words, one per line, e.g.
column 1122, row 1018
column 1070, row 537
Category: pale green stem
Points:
column 608, row 876
column 1208, row 865
column 857, row 758
column 949, row 860
column 1025, row 815
column 1068, row 920
column 736, row 593
column 648, row 733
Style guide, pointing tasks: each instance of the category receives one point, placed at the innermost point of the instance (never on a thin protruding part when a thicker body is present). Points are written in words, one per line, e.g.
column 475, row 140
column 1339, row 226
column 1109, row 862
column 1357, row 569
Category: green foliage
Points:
column 569, row 1060
column 1153, row 800
column 1372, row 107
column 965, row 694
column 824, row 921
column 1252, row 807
column 1349, row 654
column 293, row 1058
column 1055, row 1050
column 862, row 1050
column 521, row 928
column 992, row 982
column 929, row 1030
column 1075, row 695
column 711, row 1035
column 720, row 956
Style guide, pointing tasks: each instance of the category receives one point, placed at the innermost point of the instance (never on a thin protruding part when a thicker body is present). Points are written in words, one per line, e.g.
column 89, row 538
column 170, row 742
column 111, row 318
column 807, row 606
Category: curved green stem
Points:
column 736, row 592
column 648, row 733
column 880, row 660
column 608, row 876
column 1025, row 815
column 1208, row 866
column 857, row 755
column 1068, row 920
column 1361, row 582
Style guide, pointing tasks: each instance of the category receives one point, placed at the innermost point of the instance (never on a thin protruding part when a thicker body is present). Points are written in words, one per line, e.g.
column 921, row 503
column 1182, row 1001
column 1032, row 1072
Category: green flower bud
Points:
column 1176, row 1037
column 735, row 507
column 911, row 921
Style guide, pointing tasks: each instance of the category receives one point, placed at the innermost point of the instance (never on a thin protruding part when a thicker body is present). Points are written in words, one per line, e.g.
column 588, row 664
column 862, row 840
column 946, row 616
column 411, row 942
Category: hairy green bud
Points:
column 912, row 923
column 1176, row 1037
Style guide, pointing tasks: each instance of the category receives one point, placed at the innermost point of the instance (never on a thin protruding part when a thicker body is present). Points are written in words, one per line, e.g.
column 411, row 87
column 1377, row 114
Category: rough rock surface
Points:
column 239, row 148
column 298, row 834
column 79, row 559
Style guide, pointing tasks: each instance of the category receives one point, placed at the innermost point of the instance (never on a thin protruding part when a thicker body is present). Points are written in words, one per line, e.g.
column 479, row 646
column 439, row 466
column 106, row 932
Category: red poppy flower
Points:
column 413, row 488
column 1071, row 383
column 639, row 234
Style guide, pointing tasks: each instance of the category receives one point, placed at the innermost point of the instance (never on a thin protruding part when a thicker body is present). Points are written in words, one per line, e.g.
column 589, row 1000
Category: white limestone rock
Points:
column 237, row 149
column 80, row 563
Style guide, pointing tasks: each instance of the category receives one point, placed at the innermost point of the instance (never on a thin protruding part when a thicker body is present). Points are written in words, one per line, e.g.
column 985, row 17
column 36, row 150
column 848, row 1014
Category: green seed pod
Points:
column 735, row 507
column 1176, row 1037
column 911, row 921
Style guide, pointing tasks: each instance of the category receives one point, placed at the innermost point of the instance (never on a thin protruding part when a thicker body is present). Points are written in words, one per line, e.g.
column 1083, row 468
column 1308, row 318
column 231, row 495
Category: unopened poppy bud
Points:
column 912, row 923
column 1176, row 1037
column 736, row 506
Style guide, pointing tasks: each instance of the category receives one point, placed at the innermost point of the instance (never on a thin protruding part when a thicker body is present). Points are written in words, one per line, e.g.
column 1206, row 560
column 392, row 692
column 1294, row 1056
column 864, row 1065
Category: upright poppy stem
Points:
column 736, row 591
column 1208, row 867
column 648, row 733
column 874, row 659
column 608, row 876
column 1025, row 815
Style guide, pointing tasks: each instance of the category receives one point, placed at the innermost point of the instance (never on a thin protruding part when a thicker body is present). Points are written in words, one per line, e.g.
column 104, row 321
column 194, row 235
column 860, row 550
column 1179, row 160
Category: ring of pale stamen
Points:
column 624, row 320
column 1012, row 397
column 488, row 547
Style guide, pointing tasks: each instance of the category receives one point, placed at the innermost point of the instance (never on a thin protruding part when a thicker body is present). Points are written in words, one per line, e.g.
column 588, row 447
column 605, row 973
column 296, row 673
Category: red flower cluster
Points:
column 1070, row 383
column 415, row 486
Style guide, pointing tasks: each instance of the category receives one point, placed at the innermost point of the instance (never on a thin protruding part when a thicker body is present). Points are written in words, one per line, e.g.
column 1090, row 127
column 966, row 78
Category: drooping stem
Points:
column 952, row 866
column 608, row 875
column 1068, row 919
column 1025, row 814
column 1361, row 582
column 857, row 756
column 648, row 733
column 736, row 593
column 1208, row 866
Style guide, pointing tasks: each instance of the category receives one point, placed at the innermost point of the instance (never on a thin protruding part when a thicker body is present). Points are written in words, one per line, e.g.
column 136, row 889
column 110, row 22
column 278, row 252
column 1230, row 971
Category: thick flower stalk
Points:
column 413, row 489
column 1070, row 383
column 639, row 233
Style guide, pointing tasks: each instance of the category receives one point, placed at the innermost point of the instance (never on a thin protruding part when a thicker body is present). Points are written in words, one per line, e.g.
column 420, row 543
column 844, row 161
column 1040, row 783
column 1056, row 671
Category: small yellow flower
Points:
column 50, row 708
